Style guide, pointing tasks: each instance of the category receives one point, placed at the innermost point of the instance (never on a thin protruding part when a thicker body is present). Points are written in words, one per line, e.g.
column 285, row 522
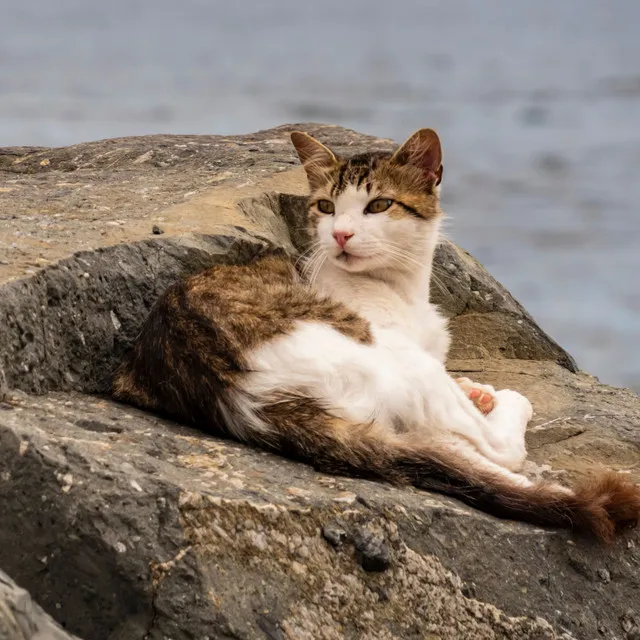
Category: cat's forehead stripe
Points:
column 357, row 170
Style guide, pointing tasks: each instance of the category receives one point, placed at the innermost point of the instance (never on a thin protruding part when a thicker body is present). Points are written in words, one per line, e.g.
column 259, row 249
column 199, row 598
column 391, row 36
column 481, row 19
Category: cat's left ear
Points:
column 423, row 150
column 315, row 157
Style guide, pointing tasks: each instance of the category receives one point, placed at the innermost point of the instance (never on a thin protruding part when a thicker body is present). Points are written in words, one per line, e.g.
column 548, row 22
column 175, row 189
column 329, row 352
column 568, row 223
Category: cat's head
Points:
column 374, row 210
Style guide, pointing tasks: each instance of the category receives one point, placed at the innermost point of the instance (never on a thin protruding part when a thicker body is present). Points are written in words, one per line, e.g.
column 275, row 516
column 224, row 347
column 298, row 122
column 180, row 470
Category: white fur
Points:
column 392, row 382
column 400, row 380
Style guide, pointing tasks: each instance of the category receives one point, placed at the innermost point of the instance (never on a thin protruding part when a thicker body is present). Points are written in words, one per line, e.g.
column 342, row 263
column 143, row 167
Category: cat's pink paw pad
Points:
column 483, row 396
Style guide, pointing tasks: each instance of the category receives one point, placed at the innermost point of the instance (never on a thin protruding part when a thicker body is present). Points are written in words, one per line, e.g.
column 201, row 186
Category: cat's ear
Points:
column 315, row 157
column 423, row 150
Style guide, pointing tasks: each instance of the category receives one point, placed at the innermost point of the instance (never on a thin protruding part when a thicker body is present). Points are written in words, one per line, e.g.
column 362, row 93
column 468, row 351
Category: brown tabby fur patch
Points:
column 194, row 340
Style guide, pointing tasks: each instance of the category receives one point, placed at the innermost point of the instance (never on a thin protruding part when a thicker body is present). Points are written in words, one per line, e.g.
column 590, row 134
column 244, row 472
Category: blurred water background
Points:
column 537, row 103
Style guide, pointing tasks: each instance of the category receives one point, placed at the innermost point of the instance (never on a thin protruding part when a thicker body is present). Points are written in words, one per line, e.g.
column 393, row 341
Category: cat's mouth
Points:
column 347, row 258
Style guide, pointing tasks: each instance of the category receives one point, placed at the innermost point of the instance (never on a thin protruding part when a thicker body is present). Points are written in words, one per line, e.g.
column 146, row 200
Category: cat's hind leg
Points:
column 509, row 419
column 507, row 411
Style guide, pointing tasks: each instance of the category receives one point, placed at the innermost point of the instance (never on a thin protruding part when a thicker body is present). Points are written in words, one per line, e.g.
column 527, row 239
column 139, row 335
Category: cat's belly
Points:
column 386, row 382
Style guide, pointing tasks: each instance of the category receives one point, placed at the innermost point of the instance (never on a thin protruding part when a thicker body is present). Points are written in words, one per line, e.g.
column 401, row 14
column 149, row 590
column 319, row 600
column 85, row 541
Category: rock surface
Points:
column 124, row 526
column 22, row 619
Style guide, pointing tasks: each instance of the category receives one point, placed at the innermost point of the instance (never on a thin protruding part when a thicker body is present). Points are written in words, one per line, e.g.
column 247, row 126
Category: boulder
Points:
column 125, row 526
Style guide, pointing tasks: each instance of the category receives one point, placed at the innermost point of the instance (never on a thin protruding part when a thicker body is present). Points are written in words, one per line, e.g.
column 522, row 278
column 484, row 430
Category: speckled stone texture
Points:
column 124, row 526
column 22, row 619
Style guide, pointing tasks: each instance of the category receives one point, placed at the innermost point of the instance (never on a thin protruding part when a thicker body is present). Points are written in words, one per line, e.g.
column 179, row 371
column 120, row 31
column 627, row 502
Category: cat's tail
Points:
column 601, row 507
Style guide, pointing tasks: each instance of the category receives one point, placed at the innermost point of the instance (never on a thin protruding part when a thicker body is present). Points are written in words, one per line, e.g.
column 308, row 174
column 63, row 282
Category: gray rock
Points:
column 66, row 326
column 22, row 619
column 334, row 533
column 126, row 526
column 373, row 553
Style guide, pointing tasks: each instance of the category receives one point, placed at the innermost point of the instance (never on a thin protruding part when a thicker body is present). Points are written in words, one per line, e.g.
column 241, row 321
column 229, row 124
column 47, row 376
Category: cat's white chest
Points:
column 433, row 330
column 399, row 315
column 373, row 300
column 419, row 321
column 413, row 317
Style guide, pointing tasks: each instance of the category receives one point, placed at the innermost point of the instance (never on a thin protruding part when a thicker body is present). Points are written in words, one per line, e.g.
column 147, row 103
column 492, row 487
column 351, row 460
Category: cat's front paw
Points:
column 483, row 396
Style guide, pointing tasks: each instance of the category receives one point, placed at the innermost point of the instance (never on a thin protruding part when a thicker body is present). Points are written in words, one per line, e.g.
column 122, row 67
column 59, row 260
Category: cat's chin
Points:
column 350, row 262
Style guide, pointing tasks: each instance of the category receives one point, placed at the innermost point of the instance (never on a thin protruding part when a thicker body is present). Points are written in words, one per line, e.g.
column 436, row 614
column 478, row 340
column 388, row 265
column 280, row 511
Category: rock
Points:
column 126, row 526
column 628, row 621
column 372, row 550
column 334, row 533
column 22, row 619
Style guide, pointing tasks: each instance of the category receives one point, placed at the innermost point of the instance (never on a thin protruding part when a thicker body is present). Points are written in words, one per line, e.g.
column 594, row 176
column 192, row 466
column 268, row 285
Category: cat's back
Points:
column 254, row 303
column 229, row 293
column 197, row 337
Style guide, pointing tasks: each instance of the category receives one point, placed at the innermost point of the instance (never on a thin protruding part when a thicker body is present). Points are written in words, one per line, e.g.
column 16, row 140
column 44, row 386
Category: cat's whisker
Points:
column 316, row 271
column 407, row 258
column 310, row 266
column 306, row 254
column 404, row 251
column 434, row 277
column 399, row 260
column 311, row 249
column 436, row 280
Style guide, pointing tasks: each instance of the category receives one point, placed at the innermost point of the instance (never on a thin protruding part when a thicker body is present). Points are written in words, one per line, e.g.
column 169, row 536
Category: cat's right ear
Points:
column 423, row 150
column 315, row 157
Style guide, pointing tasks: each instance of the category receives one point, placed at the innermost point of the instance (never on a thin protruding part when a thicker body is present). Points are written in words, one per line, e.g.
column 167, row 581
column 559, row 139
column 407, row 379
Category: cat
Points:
column 342, row 364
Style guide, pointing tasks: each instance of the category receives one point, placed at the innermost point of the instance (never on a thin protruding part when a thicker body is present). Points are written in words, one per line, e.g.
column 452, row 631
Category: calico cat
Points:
column 342, row 366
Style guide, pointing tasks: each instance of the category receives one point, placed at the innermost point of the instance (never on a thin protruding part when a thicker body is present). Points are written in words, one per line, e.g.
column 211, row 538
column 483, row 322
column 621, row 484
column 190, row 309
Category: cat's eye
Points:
column 326, row 206
column 379, row 205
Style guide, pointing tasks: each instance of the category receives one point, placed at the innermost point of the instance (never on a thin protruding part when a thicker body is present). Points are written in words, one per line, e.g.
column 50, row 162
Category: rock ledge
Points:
column 124, row 526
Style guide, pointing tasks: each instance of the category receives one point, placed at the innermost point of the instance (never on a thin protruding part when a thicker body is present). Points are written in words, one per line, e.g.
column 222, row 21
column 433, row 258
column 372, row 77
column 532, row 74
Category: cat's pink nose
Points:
column 342, row 237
